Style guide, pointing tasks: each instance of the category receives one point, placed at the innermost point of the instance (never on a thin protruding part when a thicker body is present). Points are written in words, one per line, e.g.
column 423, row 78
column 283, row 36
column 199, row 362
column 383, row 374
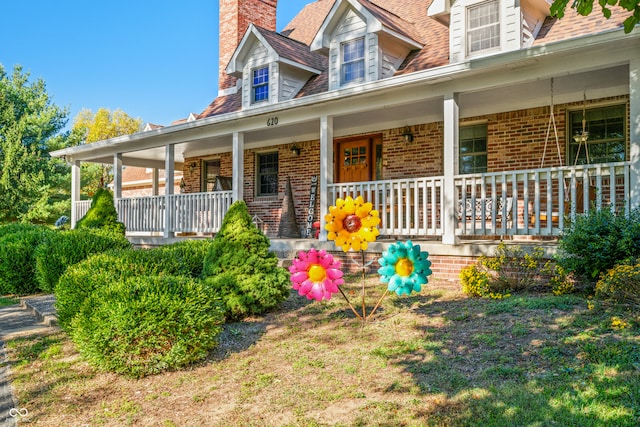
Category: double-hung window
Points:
column 211, row 171
column 267, row 174
column 605, row 129
column 473, row 149
column 483, row 27
column 260, row 85
column 353, row 61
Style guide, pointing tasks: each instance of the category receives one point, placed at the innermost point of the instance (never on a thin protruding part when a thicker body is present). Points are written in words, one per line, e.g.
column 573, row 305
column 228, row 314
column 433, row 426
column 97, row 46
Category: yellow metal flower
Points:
column 352, row 223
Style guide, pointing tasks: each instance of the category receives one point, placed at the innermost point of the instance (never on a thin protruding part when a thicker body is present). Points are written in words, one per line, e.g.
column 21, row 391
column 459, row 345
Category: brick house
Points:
column 461, row 121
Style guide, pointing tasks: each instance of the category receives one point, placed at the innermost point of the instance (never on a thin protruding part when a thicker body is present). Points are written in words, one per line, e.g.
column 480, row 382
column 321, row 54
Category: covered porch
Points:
column 415, row 183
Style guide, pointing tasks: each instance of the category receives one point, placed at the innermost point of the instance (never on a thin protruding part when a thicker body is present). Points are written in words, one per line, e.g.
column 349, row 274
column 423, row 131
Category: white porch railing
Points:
column 199, row 212
column 81, row 208
column 407, row 207
column 525, row 202
column 536, row 202
column 190, row 213
column 142, row 214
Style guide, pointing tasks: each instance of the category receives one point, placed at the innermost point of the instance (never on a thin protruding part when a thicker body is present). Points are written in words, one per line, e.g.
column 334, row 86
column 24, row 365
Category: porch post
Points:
column 117, row 177
column 634, row 131
column 75, row 191
column 326, row 172
column 238, row 166
column 155, row 182
column 451, row 125
column 169, row 211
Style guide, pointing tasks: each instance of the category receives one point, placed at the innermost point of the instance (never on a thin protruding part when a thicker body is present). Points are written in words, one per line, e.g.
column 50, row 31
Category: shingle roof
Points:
column 409, row 18
column 293, row 50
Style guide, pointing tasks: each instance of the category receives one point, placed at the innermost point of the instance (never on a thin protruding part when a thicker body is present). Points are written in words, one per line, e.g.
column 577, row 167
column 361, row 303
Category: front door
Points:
column 354, row 159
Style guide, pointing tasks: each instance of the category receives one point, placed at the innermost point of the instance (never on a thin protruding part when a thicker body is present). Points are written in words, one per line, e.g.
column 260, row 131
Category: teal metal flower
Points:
column 404, row 267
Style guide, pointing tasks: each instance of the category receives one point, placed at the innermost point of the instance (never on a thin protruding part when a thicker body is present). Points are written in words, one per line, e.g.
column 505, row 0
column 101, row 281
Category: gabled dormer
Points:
column 363, row 42
column 272, row 67
column 485, row 27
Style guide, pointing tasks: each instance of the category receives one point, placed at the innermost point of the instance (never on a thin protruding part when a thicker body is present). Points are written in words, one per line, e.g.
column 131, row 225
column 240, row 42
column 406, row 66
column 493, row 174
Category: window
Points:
column 473, row 149
column 483, row 27
column 260, row 84
column 607, row 140
column 267, row 176
column 353, row 61
column 210, row 172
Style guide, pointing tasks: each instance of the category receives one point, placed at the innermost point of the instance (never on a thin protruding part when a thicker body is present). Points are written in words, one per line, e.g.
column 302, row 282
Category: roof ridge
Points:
column 261, row 29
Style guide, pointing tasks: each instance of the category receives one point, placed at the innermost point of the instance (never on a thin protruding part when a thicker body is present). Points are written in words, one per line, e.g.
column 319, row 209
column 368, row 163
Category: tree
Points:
column 34, row 186
column 104, row 124
column 585, row 7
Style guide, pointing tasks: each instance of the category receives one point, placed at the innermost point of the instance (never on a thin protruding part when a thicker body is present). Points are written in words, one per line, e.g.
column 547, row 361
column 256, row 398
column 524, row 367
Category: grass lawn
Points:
column 7, row 301
column 433, row 359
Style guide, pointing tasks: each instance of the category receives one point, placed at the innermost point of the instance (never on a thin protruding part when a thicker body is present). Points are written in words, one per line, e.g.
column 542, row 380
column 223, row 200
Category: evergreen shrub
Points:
column 65, row 248
column 17, row 261
column 80, row 280
column 240, row 268
column 597, row 241
column 17, row 227
column 147, row 324
column 102, row 213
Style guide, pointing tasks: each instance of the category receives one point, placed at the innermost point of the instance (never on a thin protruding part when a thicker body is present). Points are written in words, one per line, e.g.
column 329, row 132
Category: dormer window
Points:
column 483, row 27
column 260, row 85
column 353, row 61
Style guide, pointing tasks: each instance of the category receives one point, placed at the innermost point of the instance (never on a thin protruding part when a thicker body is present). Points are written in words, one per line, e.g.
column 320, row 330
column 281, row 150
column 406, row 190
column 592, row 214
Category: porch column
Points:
column 238, row 166
column 634, row 131
column 155, row 182
column 75, row 191
column 326, row 172
column 117, row 176
column 169, row 172
column 451, row 125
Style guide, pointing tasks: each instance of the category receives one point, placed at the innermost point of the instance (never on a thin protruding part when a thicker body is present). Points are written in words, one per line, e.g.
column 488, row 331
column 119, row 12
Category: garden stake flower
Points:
column 352, row 223
column 404, row 268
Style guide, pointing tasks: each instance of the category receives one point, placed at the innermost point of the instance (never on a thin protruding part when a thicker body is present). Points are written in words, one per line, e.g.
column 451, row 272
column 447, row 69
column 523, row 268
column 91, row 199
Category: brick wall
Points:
column 235, row 17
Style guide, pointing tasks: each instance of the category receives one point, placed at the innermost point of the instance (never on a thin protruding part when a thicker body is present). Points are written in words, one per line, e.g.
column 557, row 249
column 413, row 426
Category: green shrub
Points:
column 510, row 269
column 189, row 254
column 17, row 262
column 240, row 267
column 621, row 283
column 102, row 213
column 63, row 249
column 17, row 227
column 597, row 241
column 81, row 280
column 148, row 324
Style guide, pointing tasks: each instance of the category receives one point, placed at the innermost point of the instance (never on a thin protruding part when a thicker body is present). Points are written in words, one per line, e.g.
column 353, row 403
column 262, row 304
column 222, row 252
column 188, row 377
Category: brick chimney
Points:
column 235, row 17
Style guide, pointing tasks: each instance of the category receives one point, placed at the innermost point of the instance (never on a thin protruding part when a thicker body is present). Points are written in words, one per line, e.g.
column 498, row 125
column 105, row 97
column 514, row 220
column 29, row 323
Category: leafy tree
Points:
column 585, row 7
column 104, row 124
column 34, row 186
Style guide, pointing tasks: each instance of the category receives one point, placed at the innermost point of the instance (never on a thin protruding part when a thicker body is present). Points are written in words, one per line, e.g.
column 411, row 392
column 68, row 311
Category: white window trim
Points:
column 467, row 50
column 341, row 64
column 253, row 101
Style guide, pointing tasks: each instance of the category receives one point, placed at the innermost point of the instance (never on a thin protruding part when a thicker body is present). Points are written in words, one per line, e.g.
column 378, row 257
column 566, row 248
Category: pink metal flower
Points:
column 316, row 274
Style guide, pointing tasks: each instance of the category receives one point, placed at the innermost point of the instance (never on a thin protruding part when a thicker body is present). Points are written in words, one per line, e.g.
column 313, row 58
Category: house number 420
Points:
column 272, row 121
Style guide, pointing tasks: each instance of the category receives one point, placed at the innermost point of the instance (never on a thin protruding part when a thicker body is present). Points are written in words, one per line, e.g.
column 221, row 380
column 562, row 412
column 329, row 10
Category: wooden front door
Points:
column 354, row 160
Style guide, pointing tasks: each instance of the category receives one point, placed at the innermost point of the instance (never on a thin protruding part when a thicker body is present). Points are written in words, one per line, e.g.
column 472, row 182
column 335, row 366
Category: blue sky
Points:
column 154, row 60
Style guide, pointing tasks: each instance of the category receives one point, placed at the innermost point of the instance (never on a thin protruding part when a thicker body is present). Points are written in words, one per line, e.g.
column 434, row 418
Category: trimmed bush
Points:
column 102, row 213
column 17, row 261
column 597, row 241
column 148, row 324
column 241, row 269
column 621, row 283
column 81, row 280
column 17, row 227
column 63, row 249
